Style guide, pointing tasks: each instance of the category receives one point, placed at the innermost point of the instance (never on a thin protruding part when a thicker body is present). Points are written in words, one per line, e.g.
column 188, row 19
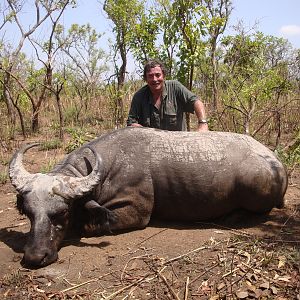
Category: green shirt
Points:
column 176, row 99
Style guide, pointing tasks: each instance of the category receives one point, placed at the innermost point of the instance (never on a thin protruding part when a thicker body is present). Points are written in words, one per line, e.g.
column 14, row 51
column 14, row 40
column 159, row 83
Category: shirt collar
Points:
column 164, row 91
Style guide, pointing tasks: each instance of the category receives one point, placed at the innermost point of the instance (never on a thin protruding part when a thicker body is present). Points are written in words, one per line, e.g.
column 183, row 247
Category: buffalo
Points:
column 123, row 178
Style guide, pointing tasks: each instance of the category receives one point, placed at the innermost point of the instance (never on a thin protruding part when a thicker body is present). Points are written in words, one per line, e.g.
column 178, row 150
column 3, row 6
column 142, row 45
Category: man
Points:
column 162, row 103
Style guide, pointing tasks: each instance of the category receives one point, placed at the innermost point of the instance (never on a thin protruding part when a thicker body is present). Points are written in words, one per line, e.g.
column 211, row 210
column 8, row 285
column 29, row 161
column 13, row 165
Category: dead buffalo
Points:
column 121, row 179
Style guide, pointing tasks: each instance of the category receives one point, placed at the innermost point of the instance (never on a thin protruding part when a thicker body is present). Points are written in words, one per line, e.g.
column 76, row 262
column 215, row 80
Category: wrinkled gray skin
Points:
column 121, row 179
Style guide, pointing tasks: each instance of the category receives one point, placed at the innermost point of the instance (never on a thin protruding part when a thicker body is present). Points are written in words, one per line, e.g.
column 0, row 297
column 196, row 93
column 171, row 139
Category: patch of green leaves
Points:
column 71, row 114
column 3, row 177
column 49, row 145
column 79, row 137
column 48, row 166
column 290, row 157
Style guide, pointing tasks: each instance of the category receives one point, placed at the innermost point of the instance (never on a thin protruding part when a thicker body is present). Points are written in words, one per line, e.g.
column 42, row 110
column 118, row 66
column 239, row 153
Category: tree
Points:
column 165, row 18
column 191, row 23
column 49, row 49
column 44, row 9
column 87, row 61
column 123, row 15
column 253, row 83
column 219, row 12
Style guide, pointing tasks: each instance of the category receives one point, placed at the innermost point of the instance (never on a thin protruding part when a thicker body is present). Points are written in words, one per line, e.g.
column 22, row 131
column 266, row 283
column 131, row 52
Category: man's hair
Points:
column 152, row 63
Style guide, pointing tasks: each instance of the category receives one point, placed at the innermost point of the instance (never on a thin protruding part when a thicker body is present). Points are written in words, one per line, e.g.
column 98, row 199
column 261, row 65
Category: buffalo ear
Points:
column 92, row 204
column 20, row 204
column 100, row 215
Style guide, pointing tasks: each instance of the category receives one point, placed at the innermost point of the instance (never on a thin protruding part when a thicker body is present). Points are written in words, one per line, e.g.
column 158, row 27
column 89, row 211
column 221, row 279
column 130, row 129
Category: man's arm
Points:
column 201, row 115
column 132, row 119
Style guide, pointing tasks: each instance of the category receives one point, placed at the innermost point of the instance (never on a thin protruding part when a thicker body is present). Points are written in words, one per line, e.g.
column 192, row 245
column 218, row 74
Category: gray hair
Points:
column 152, row 64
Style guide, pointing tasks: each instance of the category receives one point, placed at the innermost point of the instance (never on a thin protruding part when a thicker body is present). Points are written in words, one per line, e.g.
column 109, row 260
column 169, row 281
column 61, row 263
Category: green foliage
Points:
column 78, row 138
column 123, row 13
column 183, row 26
column 291, row 157
column 3, row 177
column 23, row 101
column 252, row 82
column 253, row 75
column 143, row 36
column 55, row 126
column 191, row 23
column 71, row 114
column 49, row 145
column 48, row 166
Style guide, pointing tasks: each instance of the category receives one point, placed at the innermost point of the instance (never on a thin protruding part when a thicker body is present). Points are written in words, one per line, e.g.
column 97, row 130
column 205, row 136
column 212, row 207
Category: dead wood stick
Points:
column 186, row 292
column 206, row 271
column 168, row 285
column 230, row 272
column 185, row 254
column 134, row 284
column 133, row 258
column 234, row 231
column 150, row 237
column 77, row 286
column 113, row 295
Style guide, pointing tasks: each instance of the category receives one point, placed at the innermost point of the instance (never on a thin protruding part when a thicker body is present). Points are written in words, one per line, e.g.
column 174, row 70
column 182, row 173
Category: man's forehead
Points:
column 155, row 69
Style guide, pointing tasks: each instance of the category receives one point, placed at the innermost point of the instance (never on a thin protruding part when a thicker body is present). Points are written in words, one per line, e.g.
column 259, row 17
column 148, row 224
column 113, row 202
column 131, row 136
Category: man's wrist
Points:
column 202, row 121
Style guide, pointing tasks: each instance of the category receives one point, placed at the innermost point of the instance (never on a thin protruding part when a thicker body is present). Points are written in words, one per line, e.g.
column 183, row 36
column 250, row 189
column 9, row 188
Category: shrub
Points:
column 49, row 145
column 78, row 138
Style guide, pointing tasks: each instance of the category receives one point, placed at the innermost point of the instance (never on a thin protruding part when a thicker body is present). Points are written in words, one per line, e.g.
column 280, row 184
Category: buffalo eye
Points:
column 59, row 218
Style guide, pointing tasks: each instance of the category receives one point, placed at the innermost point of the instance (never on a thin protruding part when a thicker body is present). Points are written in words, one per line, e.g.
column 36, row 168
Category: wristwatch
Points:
column 202, row 121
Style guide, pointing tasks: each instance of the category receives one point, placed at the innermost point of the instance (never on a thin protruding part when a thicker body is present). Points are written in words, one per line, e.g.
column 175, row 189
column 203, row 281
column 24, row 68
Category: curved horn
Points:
column 17, row 173
column 75, row 187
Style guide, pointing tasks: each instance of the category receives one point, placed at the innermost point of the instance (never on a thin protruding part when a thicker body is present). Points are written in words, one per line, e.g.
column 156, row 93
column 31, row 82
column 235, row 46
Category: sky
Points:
column 275, row 17
column 280, row 18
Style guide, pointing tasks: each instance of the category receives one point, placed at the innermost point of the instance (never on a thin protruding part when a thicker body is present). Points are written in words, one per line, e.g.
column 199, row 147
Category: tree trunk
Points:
column 21, row 120
column 61, row 118
column 8, row 100
column 121, row 80
column 215, row 95
column 35, row 120
column 190, row 86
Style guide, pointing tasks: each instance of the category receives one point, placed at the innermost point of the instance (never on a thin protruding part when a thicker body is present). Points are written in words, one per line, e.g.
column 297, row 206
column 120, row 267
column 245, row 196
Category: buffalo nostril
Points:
column 34, row 259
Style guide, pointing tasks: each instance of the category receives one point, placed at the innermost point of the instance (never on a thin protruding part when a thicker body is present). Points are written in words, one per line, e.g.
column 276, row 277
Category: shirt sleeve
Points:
column 187, row 98
column 133, row 115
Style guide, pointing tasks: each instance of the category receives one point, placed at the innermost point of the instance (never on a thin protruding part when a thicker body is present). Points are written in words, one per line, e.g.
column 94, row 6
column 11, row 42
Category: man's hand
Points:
column 136, row 125
column 201, row 116
column 202, row 127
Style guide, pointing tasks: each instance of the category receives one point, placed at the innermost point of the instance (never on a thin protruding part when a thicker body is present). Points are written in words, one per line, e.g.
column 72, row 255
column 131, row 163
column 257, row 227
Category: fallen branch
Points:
column 206, row 271
column 168, row 285
column 133, row 258
column 134, row 284
column 185, row 254
column 186, row 291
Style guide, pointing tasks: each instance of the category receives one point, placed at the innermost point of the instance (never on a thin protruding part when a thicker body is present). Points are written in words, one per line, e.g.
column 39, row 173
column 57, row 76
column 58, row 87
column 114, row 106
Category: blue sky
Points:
column 280, row 18
column 275, row 17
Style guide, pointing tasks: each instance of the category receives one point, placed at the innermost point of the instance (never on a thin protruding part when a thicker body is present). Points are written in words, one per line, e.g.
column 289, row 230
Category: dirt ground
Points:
column 240, row 256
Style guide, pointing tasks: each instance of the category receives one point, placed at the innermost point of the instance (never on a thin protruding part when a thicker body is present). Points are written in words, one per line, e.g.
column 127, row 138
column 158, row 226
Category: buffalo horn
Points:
column 74, row 187
column 18, row 175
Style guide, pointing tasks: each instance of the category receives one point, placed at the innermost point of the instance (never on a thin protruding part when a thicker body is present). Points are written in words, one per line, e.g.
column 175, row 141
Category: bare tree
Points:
column 219, row 12
column 44, row 10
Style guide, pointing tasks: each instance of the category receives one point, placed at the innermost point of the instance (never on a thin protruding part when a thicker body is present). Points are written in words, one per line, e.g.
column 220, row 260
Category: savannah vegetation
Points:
column 71, row 88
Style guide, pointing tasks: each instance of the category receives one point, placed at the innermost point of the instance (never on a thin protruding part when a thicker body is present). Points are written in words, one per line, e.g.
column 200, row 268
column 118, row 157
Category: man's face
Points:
column 155, row 79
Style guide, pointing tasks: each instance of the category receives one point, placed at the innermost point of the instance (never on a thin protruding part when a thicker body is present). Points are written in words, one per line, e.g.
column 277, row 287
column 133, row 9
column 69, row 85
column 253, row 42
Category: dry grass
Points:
column 240, row 267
